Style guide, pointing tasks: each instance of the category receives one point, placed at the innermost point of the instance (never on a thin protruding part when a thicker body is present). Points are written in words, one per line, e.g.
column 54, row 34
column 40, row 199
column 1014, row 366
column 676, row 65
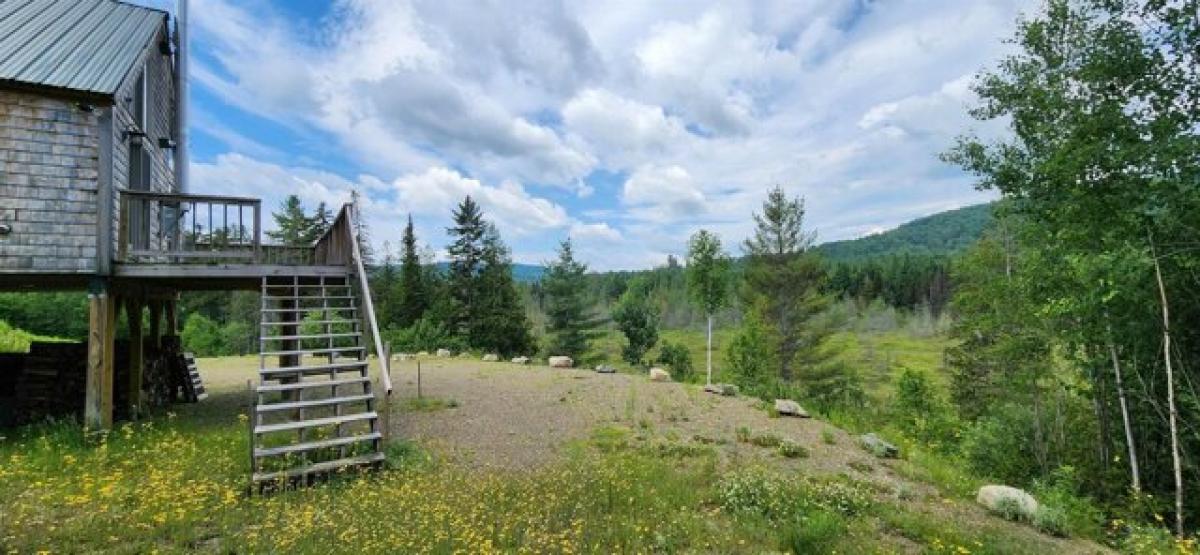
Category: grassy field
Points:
column 178, row 483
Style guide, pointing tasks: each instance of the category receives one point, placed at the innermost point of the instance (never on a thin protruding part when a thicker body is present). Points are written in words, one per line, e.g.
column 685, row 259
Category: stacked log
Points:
column 53, row 381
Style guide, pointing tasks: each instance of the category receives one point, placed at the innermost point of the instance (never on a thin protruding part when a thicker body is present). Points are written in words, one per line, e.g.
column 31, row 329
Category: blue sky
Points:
column 624, row 125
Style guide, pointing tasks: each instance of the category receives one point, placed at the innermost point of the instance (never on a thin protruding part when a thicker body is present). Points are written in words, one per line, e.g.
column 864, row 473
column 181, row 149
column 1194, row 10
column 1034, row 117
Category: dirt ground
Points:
column 505, row 417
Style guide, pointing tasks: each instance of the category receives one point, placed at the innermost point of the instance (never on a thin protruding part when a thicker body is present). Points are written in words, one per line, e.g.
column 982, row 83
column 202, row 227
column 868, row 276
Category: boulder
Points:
column 725, row 389
column 878, row 447
column 788, row 407
column 444, row 353
column 1008, row 501
column 491, row 357
column 423, row 354
column 520, row 360
column 561, row 362
column 659, row 375
column 400, row 357
column 606, row 369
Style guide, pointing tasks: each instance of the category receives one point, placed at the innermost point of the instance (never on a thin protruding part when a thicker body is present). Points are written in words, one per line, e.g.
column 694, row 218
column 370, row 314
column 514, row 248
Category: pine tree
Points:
column 637, row 317
column 293, row 227
column 319, row 223
column 783, row 283
column 570, row 327
column 413, row 295
column 466, row 259
column 499, row 324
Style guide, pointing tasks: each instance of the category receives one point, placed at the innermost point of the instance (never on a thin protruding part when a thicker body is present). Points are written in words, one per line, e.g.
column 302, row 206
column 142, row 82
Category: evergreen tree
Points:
column 783, row 281
column 413, row 298
column 319, row 223
column 498, row 322
column 637, row 317
column 569, row 325
column 293, row 227
column 466, row 260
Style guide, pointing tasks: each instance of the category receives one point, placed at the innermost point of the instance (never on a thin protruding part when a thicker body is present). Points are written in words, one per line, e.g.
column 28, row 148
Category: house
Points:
column 93, row 198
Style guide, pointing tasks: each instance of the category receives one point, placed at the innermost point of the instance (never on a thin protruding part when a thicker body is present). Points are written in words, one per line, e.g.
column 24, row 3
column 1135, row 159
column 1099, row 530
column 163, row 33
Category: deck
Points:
column 215, row 242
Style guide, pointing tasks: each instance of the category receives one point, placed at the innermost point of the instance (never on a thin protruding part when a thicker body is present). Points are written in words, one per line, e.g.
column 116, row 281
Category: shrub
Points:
column 792, row 450
column 1050, row 520
column 766, row 439
column 749, row 356
column 817, row 532
column 742, row 434
column 676, row 357
column 921, row 411
column 827, row 437
column 202, row 336
column 996, row 445
column 424, row 335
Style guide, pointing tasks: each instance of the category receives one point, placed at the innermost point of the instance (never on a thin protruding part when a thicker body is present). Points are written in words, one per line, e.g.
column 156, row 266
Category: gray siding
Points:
column 50, row 169
column 49, row 152
column 160, row 124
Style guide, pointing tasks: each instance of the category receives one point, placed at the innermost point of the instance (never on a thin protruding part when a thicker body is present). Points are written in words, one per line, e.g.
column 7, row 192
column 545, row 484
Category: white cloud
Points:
column 628, row 124
column 668, row 191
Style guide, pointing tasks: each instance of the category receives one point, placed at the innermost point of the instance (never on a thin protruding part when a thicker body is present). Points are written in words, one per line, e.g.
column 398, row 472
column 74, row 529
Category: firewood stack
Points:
column 54, row 380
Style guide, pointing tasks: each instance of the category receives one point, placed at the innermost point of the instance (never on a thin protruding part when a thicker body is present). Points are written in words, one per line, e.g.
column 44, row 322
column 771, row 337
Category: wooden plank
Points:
column 314, row 445
column 317, row 468
column 314, row 423
column 311, row 403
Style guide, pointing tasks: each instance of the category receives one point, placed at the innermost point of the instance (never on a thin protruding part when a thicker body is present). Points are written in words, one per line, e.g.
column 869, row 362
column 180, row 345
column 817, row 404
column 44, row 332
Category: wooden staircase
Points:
column 315, row 410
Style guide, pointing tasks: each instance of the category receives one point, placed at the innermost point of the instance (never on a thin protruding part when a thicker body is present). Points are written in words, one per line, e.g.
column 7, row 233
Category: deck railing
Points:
column 176, row 228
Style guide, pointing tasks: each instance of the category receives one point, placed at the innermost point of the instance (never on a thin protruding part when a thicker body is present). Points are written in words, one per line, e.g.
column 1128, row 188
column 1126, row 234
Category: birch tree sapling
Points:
column 708, row 282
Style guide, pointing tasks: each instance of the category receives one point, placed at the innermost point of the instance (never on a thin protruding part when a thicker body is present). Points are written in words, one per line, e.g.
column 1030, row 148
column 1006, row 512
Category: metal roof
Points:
column 87, row 46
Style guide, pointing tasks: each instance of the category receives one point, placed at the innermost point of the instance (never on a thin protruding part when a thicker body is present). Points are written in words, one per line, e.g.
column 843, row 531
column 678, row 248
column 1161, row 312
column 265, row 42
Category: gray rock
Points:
column 788, row 407
column 491, row 357
column 878, row 447
column 606, row 369
column 659, row 375
column 1007, row 501
column 561, row 362
column 444, row 353
column 520, row 360
column 423, row 354
column 724, row 389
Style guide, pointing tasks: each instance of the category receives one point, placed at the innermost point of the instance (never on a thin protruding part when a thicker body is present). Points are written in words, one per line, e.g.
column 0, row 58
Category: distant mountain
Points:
column 942, row 233
column 527, row 273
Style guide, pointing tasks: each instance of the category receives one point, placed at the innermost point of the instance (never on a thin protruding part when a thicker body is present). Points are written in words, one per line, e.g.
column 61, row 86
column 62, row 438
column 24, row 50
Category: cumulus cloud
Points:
column 624, row 125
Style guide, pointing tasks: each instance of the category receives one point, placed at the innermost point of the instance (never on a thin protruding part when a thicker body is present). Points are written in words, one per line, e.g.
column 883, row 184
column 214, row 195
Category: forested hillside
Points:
column 940, row 234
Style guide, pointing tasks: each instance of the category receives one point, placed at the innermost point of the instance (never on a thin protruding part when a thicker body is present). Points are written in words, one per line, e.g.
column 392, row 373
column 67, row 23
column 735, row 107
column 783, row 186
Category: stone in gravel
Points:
column 561, row 362
column 444, row 353
column 491, row 357
column 1006, row 500
column 878, row 447
column 788, row 407
column 520, row 360
column 725, row 389
column 659, row 375
column 605, row 369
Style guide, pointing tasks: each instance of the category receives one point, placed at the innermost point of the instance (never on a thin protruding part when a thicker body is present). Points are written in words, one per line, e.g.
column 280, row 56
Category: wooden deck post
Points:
column 156, row 309
column 102, row 315
column 137, row 359
column 171, row 317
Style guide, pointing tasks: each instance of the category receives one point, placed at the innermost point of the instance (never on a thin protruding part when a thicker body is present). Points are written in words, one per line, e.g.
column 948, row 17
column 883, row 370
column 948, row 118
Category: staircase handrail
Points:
column 360, row 269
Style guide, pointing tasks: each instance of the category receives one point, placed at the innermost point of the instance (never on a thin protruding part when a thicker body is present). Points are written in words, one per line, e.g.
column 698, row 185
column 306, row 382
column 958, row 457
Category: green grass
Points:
column 14, row 340
column 428, row 404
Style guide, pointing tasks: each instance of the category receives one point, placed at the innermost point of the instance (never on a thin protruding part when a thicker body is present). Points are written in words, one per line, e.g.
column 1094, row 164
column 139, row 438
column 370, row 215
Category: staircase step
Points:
column 316, row 336
column 310, row 309
column 314, row 322
column 316, row 422
column 319, row 467
column 314, row 445
column 312, row 351
column 307, row 285
column 314, row 384
column 306, row 297
column 312, row 369
column 327, row 402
